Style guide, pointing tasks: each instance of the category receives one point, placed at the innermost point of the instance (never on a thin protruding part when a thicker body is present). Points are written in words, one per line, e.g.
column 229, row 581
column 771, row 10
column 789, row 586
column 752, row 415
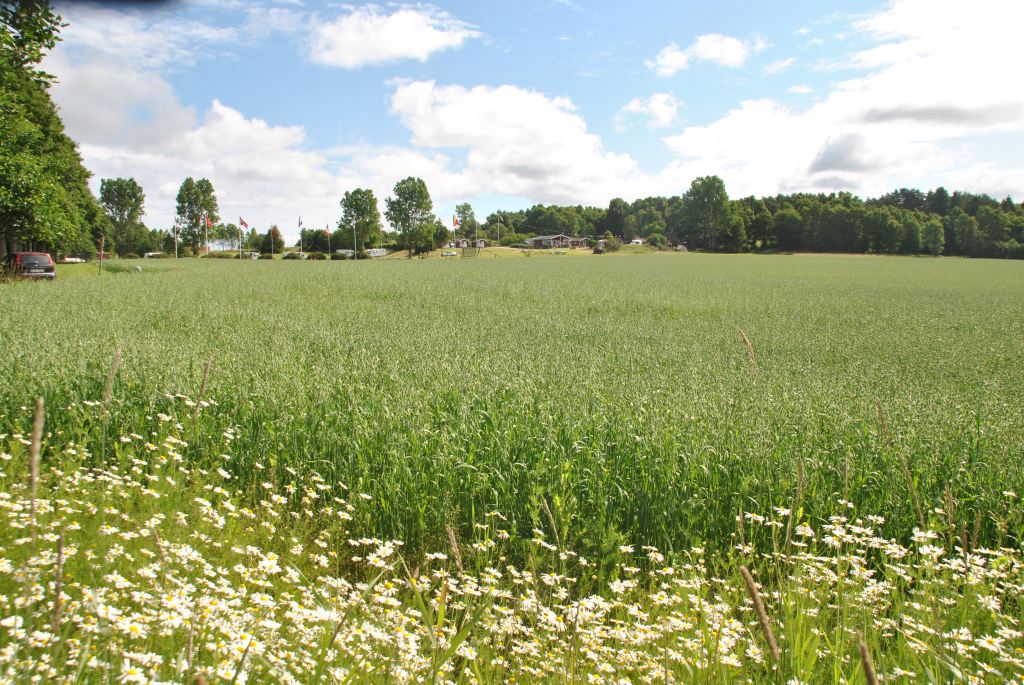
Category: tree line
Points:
column 905, row 221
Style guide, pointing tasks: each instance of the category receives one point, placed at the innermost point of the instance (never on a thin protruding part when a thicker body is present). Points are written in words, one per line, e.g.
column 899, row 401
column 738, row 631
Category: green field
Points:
column 603, row 401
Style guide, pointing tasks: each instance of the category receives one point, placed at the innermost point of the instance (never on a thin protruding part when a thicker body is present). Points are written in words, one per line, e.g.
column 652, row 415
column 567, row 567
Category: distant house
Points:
column 376, row 252
column 559, row 240
column 636, row 241
column 458, row 242
column 480, row 243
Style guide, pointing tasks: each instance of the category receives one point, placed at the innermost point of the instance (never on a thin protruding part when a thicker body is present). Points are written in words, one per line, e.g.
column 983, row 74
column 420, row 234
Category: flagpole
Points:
column 206, row 232
column 327, row 231
column 175, row 238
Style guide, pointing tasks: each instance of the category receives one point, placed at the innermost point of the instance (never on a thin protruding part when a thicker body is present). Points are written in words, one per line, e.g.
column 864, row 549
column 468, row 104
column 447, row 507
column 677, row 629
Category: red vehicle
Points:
column 30, row 265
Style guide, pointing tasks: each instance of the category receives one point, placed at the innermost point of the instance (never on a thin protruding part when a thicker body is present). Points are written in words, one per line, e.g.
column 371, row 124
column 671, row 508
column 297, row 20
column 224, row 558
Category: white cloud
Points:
column 660, row 109
column 370, row 35
column 800, row 90
column 144, row 40
column 516, row 141
column 716, row 48
column 927, row 84
column 780, row 65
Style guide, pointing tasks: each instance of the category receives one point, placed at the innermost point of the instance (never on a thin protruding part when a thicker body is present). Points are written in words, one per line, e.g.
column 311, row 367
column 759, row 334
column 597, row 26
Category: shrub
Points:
column 657, row 240
column 130, row 255
column 362, row 254
column 612, row 244
column 266, row 255
column 316, row 255
column 291, row 255
column 337, row 256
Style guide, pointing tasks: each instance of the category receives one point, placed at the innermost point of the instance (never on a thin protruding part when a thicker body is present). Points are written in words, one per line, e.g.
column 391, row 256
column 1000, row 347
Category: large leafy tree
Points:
column 359, row 211
column 615, row 217
column 964, row 228
column 468, row 224
column 933, row 236
column 196, row 200
column 44, row 196
column 409, row 213
column 706, row 214
column 272, row 241
column 123, row 200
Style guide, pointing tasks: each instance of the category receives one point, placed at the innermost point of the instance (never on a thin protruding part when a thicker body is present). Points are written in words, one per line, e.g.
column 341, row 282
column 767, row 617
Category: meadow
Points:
column 571, row 457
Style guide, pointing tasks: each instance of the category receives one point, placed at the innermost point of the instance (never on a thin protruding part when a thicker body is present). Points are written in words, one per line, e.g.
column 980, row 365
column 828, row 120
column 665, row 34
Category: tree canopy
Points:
column 196, row 203
column 45, row 202
column 409, row 213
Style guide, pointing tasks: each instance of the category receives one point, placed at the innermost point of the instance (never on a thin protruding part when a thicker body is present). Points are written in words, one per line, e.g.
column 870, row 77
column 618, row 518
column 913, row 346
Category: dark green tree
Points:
column 358, row 210
column 123, row 200
column 272, row 241
column 409, row 211
column 789, row 231
column 706, row 213
column 45, row 202
column 932, row 234
column 196, row 201
column 913, row 225
column 964, row 228
column 468, row 225
column 615, row 218
column 884, row 230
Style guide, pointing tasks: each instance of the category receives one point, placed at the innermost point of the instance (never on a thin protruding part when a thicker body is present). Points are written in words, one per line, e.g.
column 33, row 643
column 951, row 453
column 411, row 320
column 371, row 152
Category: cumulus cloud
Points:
column 800, row 90
column 516, row 141
column 370, row 35
column 716, row 48
column 660, row 109
column 926, row 85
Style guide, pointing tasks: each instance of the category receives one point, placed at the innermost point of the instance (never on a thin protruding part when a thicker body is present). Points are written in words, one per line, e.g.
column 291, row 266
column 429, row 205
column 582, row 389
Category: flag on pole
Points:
column 209, row 224
column 241, row 222
column 300, row 222
column 455, row 220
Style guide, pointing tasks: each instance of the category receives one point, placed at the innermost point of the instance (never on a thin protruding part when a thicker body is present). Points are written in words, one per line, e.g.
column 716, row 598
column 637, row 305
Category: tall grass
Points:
column 610, row 400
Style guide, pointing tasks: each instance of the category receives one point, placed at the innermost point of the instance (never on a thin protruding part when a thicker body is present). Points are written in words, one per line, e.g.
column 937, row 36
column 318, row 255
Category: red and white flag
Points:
column 455, row 220
column 209, row 224
column 241, row 222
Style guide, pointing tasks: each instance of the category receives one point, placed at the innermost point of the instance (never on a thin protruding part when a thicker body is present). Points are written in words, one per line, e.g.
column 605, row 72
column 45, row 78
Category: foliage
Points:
column 123, row 200
column 359, row 211
column 272, row 241
column 468, row 225
column 196, row 204
column 707, row 217
column 657, row 240
column 44, row 198
column 611, row 243
column 409, row 213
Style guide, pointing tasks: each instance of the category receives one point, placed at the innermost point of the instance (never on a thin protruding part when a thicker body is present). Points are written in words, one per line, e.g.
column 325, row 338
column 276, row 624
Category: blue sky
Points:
column 285, row 105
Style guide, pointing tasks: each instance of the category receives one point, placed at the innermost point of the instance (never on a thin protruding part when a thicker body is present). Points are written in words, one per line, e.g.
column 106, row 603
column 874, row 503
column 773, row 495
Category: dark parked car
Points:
column 30, row 265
